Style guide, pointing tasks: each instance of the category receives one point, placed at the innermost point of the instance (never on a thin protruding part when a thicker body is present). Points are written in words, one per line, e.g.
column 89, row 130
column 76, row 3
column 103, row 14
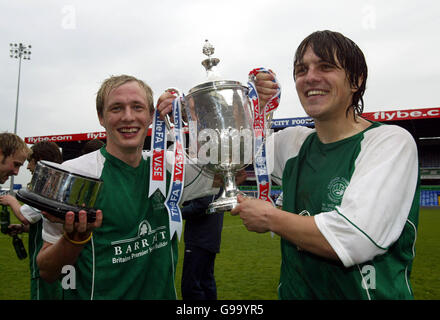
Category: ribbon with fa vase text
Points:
column 158, row 174
column 176, row 187
column 158, row 166
column 260, row 115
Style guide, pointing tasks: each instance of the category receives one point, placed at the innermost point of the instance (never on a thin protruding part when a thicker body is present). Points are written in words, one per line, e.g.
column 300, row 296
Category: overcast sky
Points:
column 77, row 44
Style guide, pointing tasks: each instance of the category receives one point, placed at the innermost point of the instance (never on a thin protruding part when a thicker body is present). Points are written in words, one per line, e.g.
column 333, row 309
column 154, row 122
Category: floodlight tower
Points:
column 18, row 51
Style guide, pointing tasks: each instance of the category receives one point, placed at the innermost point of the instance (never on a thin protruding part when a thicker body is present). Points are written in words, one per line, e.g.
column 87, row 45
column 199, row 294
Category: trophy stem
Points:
column 228, row 199
column 230, row 189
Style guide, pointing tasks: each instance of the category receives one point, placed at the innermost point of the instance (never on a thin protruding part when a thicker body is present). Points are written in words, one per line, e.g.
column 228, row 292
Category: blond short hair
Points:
column 10, row 143
column 117, row 81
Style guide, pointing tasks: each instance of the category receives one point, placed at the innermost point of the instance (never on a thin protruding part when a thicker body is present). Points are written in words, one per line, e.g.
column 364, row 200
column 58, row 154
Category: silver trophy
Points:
column 220, row 125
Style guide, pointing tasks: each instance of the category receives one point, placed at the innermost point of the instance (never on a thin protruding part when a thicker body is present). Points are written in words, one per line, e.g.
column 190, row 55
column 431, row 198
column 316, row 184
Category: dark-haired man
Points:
column 351, row 184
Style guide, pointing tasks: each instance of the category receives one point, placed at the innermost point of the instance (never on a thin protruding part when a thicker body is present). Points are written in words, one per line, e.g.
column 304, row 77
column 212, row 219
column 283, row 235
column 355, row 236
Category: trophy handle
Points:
column 269, row 117
column 176, row 93
column 168, row 123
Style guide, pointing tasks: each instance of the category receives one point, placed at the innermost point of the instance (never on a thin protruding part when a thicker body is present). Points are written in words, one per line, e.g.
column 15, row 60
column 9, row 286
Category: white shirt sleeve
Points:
column 197, row 183
column 31, row 214
column 90, row 164
column 283, row 145
column 378, row 199
column 51, row 231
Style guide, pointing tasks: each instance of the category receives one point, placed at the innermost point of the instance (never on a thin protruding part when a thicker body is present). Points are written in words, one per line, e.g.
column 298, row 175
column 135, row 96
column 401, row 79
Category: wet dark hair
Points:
column 329, row 44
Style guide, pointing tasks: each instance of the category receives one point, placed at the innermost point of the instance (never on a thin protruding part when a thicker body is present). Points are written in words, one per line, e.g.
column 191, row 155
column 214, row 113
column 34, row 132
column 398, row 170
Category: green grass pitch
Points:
column 249, row 263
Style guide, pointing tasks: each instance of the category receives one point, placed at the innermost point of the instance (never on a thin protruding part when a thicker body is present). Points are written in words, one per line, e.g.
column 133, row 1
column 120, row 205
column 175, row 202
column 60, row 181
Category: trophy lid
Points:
column 209, row 64
column 216, row 85
column 213, row 79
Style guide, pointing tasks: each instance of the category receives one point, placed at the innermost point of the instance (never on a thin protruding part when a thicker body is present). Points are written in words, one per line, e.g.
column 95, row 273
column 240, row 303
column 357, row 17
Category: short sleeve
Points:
column 378, row 199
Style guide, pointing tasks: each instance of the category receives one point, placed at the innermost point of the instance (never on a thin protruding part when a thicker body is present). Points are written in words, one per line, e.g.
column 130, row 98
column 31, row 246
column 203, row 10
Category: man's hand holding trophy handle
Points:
column 165, row 105
column 266, row 87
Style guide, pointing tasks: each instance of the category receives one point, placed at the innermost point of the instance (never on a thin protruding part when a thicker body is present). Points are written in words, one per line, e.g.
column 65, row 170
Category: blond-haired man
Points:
column 129, row 255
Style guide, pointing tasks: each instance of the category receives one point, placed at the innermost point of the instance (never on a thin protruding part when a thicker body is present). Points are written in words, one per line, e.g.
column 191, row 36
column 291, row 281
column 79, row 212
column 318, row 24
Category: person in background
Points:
column 350, row 208
column 13, row 154
column 32, row 222
column 202, row 237
column 91, row 146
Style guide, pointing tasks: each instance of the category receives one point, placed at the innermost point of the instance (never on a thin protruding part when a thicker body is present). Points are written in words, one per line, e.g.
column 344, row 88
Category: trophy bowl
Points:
column 57, row 190
column 220, row 118
column 221, row 136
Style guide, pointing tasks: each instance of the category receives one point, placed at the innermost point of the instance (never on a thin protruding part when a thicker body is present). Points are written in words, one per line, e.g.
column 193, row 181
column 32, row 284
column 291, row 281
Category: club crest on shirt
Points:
column 336, row 189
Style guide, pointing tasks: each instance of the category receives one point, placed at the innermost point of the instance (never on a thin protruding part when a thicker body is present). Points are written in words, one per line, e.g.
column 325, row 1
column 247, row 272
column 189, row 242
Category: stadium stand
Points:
column 423, row 124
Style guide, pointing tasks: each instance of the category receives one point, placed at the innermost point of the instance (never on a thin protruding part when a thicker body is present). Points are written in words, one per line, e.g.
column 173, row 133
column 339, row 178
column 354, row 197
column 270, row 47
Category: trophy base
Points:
column 55, row 208
column 224, row 204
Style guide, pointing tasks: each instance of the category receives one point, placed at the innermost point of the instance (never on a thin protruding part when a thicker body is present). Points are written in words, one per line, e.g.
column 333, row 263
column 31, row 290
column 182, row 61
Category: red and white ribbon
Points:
column 158, row 165
column 157, row 161
column 176, row 187
column 260, row 116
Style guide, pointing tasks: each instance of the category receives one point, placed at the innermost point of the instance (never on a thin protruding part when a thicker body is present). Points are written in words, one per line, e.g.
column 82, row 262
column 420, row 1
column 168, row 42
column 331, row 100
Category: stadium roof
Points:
column 421, row 123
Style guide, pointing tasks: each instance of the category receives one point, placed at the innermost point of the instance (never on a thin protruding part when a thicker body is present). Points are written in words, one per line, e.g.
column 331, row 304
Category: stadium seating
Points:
column 429, row 198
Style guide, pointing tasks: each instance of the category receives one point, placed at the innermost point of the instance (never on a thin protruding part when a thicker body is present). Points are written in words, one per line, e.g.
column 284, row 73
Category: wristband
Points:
column 77, row 242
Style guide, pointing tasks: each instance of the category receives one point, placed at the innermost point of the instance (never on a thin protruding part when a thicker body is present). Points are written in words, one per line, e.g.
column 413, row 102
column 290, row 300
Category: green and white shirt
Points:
column 364, row 194
column 130, row 256
column 40, row 289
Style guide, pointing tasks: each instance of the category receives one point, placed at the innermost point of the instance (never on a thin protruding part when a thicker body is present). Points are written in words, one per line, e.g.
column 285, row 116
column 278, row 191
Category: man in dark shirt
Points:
column 202, row 238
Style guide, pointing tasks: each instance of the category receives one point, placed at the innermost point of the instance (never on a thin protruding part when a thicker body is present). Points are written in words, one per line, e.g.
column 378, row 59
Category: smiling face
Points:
column 323, row 88
column 126, row 117
column 10, row 166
